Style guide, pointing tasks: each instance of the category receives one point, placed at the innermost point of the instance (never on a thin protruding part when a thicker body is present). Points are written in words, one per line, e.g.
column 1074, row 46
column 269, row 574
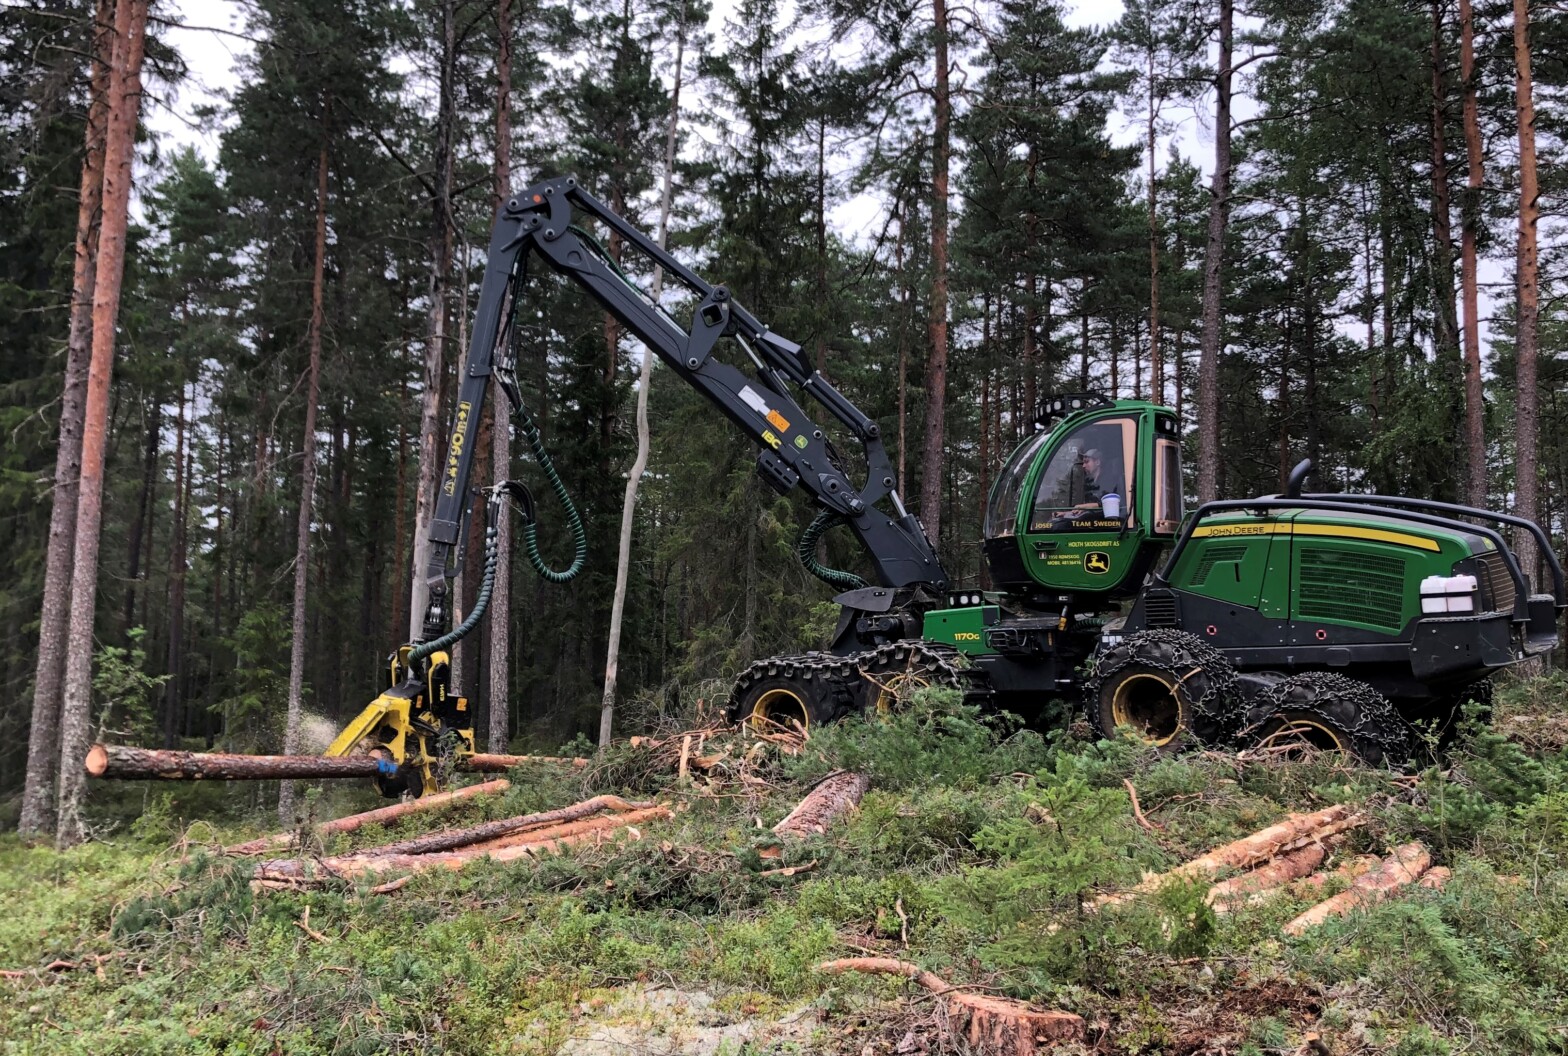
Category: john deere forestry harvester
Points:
column 1361, row 623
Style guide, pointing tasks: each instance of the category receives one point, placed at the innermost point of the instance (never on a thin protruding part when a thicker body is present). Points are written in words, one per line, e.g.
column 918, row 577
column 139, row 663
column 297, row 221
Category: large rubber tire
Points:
column 1439, row 726
column 890, row 673
column 810, row 690
column 1170, row 688
column 1331, row 712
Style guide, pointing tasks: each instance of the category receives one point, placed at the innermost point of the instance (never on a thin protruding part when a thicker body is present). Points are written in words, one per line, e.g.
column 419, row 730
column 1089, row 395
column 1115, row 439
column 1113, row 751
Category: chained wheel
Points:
column 786, row 692
column 891, row 674
column 1168, row 687
column 1319, row 710
column 1440, row 725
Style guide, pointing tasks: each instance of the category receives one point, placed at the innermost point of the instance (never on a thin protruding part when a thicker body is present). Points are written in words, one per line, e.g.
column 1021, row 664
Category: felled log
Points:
column 379, row 816
column 1360, row 865
column 294, row 872
column 492, row 830
column 1434, row 878
column 997, row 1026
column 481, row 763
column 1229, row 894
column 1295, row 832
column 834, row 795
column 1401, row 868
column 143, row 764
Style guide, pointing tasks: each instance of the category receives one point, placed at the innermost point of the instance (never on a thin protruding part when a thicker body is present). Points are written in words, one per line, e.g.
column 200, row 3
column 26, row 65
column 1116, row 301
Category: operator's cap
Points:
column 1093, row 452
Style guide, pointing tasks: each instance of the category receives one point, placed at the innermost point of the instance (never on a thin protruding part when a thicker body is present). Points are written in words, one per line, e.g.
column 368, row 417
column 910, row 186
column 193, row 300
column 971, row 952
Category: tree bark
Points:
column 1526, row 409
column 43, row 739
column 834, row 796
column 380, row 816
column 307, row 487
column 1450, row 366
column 149, row 764
column 124, row 92
column 452, row 839
column 175, row 656
column 1475, row 408
column 498, row 700
column 1156, row 361
column 1399, row 869
column 936, row 361
column 435, row 347
column 1219, row 212
column 623, row 558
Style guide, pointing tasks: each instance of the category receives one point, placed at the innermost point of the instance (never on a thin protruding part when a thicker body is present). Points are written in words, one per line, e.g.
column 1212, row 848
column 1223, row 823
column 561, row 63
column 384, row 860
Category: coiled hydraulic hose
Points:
column 806, row 550
column 573, row 522
column 481, row 601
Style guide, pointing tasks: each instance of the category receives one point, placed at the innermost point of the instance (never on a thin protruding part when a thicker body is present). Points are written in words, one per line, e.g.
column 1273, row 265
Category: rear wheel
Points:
column 1168, row 687
column 892, row 673
column 1329, row 712
column 789, row 691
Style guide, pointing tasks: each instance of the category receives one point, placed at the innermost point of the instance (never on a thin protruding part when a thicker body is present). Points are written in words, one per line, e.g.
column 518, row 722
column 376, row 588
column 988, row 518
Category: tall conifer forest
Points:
column 1297, row 222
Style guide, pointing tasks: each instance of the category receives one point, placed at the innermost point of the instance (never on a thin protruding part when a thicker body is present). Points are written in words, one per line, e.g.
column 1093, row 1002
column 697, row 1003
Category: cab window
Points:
column 1168, row 510
column 1001, row 513
column 1093, row 462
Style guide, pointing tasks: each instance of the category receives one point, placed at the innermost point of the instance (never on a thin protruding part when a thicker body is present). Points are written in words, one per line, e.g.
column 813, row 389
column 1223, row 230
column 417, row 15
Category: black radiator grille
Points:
column 1498, row 592
column 1351, row 587
column 1159, row 608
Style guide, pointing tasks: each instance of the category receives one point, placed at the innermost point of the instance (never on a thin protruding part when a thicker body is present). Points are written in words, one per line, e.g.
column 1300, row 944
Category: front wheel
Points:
column 1167, row 687
column 786, row 692
column 1329, row 712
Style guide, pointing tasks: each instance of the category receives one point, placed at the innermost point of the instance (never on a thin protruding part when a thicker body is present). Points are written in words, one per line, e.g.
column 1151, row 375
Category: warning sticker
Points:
column 780, row 422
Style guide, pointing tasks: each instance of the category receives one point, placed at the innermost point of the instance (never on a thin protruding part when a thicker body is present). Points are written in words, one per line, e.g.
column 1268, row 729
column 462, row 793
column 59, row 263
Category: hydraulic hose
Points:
column 806, row 550
column 573, row 522
column 481, row 601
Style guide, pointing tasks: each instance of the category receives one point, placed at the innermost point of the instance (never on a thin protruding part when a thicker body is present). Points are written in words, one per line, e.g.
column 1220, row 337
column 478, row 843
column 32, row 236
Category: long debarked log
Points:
column 500, row 764
column 379, row 816
column 494, row 830
column 149, row 764
column 293, row 872
column 1268, row 877
column 994, row 1025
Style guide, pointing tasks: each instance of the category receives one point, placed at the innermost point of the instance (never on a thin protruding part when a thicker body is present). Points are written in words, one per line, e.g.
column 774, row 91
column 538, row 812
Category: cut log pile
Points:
column 1286, row 857
column 529, row 835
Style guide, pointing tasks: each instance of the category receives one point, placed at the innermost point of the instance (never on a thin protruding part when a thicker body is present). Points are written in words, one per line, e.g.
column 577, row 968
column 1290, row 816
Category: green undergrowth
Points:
column 975, row 854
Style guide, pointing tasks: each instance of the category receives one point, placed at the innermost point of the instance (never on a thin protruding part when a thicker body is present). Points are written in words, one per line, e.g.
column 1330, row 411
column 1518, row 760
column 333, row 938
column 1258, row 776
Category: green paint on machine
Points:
column 963, row 629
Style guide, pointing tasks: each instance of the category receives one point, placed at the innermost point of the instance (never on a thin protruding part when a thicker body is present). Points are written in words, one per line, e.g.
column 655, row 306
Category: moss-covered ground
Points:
column 971, row 855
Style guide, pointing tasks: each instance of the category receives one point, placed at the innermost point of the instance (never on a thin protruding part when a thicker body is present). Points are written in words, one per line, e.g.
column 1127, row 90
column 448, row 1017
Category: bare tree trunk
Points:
column 623, row 558
column 1526, row 423
column 903, row 360
column 1219, row 212
column 43, row 739
column 1475, row 409
column 435, row 348
column 307, row 487
column 499, row 702
column 936, row 362
column 124, row 93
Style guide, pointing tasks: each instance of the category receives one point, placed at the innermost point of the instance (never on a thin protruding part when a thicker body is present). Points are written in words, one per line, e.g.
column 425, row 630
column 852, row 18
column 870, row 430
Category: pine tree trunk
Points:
column 43, row 739
column 307, row 486
column 1156, row 362
column 1450, row 367
column 124, row 94
column 1214, row 253
column 936, row 361
column 1475, row 408
column 435, row 348
column 500, row 661
column 1526, row 409
column 175, row 655
column 623, row 559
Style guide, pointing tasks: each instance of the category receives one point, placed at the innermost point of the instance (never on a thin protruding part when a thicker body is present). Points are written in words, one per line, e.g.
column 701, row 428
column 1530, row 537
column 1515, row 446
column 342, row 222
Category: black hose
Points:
column 806, row 550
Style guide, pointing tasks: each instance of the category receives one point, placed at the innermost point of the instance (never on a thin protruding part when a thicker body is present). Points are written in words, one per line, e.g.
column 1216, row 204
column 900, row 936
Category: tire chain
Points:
column 1180, row 653
column 939, row 665
column 1378, row 722
column 836, row 671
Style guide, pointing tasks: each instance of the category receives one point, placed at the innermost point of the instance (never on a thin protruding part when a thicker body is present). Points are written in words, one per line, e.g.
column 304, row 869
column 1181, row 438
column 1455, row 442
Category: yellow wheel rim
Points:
column 1147, row 704
column 780, row 707
column 1308, row 734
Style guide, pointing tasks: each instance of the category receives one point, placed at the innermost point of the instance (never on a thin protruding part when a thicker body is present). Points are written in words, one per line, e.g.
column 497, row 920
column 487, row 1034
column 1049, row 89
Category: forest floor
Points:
column 971, row 855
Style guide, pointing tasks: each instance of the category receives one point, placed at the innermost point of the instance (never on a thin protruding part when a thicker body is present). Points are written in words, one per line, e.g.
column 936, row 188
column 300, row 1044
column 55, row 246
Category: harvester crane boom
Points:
column 545, row 219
